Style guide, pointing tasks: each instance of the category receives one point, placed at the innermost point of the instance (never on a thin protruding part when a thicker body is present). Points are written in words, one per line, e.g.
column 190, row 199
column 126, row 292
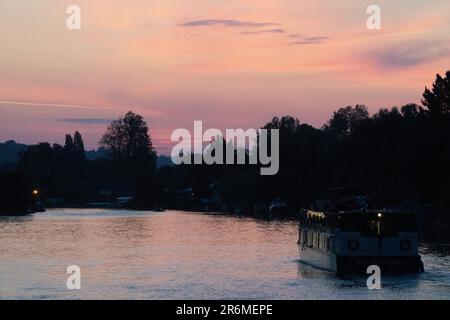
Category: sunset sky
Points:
column 230, row 63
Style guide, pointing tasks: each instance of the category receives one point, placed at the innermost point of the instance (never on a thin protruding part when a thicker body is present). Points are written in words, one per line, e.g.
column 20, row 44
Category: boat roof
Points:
column 322, row 214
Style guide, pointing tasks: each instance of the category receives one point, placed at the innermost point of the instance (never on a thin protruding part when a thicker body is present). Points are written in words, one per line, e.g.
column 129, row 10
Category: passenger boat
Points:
column 159, row 208
column 350, row 241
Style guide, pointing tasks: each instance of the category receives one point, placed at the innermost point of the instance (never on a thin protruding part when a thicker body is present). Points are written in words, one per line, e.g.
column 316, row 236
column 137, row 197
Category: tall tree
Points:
column 345, row 120
column 69, row 146
column 437, row 100
column 78, row 146
column 128, row 142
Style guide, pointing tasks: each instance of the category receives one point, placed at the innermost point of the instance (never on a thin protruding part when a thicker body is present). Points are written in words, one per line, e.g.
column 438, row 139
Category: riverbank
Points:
column 434, row 225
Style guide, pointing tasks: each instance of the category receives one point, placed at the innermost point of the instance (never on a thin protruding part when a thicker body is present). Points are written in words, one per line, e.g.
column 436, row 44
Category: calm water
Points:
column 177, row 255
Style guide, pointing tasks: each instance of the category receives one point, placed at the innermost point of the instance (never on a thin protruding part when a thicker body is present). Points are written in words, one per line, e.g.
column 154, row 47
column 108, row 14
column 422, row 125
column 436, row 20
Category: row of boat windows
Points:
column 367, row 224
column 319, row 222
column 318, row 240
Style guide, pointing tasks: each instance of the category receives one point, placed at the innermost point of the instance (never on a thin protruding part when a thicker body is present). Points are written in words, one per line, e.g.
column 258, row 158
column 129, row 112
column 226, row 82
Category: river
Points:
column 180, row 255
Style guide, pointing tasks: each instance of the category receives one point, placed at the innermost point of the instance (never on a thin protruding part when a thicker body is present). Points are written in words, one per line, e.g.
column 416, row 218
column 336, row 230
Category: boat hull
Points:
column 389, row 264
column 318, row 258
column 359, row 264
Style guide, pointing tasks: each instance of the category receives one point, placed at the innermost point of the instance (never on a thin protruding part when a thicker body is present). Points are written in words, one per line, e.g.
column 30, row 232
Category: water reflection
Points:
column 176, row 255
column 438, row 249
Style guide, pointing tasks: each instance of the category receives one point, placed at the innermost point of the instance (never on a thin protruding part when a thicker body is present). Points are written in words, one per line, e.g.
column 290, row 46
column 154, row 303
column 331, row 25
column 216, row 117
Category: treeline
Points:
column 400, row 153
column 397, row 154
column 64, row 173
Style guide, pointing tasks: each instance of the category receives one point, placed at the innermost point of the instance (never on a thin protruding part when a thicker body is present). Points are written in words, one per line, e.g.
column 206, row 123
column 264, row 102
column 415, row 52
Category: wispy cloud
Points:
column 88, row 120
column 38, row 104
column 227, row 23
column 308, row 40
column 264, row 31
column 300, row 39
column 408, row 55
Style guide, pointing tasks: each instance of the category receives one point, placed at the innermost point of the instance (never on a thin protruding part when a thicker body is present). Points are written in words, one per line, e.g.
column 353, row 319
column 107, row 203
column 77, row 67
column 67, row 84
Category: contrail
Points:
column 37, row 104
column 148, row 112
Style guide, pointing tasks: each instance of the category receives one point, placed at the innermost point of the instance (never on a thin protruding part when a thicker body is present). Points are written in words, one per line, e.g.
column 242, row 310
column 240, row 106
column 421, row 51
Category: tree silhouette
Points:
column 78, row 146
column 127, row 138
column 411, row 111
column 129, row 144
column 15, row 192
column 346, row 119
column 437, row 100
column 399, row 153
column 37, row 161
column 69, row 146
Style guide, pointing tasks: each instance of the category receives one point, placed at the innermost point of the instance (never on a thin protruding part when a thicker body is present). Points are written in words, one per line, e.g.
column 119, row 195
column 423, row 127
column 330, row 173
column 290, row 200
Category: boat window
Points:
column 407, row 222
column 372, row 225
column 389, row 224
column 331, row 222
column 350, row 222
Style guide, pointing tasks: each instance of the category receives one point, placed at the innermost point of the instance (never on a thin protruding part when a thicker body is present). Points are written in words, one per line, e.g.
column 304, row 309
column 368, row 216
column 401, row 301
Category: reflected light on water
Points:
column 179, row 255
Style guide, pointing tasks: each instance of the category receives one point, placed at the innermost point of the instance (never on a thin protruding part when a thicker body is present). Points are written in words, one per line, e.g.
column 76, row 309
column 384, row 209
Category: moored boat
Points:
column 38, row 206
column 278, row 208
